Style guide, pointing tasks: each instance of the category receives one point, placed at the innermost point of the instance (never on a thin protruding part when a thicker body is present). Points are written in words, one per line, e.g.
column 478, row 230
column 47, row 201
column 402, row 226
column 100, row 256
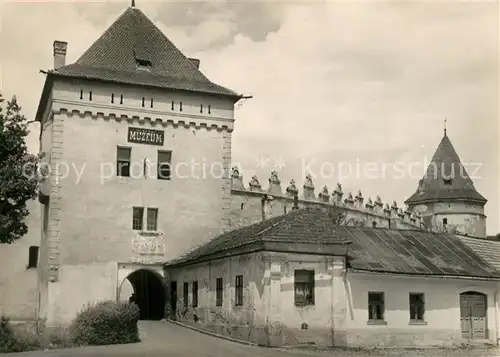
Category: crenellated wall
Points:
column 252, row 204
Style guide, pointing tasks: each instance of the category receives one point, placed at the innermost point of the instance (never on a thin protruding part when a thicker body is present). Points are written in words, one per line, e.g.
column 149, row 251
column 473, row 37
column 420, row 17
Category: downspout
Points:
column 497, row 317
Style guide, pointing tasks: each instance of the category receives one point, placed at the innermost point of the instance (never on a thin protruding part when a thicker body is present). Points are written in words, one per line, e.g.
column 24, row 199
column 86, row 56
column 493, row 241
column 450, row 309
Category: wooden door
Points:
column 473, row 316
column 173, row 299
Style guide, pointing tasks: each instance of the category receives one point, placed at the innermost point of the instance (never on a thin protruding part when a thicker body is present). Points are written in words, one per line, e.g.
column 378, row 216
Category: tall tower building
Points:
column 446, row 197
column 138, row 142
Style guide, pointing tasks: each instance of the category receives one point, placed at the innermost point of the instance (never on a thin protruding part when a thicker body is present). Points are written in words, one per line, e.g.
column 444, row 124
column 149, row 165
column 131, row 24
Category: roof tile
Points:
column 372, row 249
column 113, row 57
column 434, row 185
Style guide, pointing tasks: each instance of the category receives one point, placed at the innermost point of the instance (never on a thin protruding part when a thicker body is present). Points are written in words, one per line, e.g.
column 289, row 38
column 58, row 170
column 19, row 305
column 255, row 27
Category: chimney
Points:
column 295, row 201
column 196, row 62
column 60, row 53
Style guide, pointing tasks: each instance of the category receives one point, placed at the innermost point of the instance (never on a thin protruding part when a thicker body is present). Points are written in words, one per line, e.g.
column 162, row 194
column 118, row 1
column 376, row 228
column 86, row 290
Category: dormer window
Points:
column 143, row 63
column 448, row 181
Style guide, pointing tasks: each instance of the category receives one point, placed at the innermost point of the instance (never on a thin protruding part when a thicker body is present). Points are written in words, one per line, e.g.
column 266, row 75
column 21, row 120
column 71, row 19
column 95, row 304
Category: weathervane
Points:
column 445, row 126
column 133, row 3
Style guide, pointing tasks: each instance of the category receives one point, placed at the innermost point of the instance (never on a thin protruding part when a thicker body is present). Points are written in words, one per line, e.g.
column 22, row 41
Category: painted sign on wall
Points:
column 146, row 136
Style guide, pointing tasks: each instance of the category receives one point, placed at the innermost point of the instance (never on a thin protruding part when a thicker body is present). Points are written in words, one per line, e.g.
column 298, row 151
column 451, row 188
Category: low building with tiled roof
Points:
column 303, row 278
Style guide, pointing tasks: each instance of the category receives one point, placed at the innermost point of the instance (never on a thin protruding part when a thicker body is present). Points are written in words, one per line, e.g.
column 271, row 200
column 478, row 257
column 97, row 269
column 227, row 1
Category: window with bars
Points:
column 137, row 218
column 376, row 306
column 185, row 294
column 152, row 219
column 218, row 292
column 195, row 294
column 164, row 162
column 417, row 306
column 238, row 290
column 304, row 287
column 123, row 161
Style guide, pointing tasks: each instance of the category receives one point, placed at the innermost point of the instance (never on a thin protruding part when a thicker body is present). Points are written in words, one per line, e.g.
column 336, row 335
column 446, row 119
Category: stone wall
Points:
column 441, row 325
column 247, row 206
column 268, row 315
column 18, row 283
column 247, row 321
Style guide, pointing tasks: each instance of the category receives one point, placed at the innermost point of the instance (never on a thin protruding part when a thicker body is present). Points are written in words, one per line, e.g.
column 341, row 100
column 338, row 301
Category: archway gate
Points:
column 473, row 315
column 147, row 284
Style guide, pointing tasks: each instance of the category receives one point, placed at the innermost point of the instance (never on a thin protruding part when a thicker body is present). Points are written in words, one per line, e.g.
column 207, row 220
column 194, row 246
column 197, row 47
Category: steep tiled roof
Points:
column 372, row 249
column 445, row 164
column 292, row 228
column 113, row 57
column 489, row 250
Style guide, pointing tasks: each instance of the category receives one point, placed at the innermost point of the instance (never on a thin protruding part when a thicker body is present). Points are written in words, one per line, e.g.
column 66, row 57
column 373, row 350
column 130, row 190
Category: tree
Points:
column 18, row 172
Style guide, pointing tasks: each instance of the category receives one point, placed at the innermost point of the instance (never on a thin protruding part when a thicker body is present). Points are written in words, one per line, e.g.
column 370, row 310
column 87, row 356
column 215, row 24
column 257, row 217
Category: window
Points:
column 218, row 292
column 121, row 98
column 152, row 219
column 123, row 161
column 375, row 306
column 45, row 217
column 445, row 221
column 417, row 307
column 90, row 95
column 185, row 294
column 209, row 110
column 137, row 217
column 374, row 224
column 151, row 103
column 195, row 293
column 143, row 99
column 448, row 181
column 33, row 257
column 141, row 62
column 239, row 290
column 81, row 94
column 164, row 162
column 180, row 106
column 201, row 108
column 304, row 287
column 112, row 97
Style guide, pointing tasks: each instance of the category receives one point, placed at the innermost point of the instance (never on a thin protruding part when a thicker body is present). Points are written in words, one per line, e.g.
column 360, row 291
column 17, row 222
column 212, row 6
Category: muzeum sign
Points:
column 146, row 136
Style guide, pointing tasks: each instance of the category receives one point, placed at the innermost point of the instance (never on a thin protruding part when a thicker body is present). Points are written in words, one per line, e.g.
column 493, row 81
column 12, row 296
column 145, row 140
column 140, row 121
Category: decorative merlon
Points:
column 371, row 208
column 292, row 189
column 369, row 205
column 237, row 180
column 324, row 196
column 359, row 199
column 337, row 194
column 308, row 188
column 349, row 200
column 255, row 184
column 274, row 184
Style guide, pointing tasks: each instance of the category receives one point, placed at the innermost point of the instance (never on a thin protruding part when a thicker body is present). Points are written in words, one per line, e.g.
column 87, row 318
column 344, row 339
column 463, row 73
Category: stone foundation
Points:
column 313, row 336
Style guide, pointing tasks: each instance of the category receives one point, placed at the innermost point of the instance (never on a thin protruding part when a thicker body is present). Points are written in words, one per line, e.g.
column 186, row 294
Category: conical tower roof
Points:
column 134, row 39
column 445, row 178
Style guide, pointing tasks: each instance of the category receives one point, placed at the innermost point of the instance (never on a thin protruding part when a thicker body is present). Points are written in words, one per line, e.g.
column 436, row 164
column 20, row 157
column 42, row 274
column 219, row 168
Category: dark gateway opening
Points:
column 149, row 294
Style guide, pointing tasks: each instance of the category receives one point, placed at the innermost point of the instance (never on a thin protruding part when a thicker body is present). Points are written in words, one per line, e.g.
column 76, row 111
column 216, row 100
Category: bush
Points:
column 7, row 338
column 106, row 323
column 14, row 341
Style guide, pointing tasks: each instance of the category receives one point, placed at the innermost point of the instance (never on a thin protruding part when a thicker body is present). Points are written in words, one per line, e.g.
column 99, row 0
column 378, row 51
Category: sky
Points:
column 349, row 92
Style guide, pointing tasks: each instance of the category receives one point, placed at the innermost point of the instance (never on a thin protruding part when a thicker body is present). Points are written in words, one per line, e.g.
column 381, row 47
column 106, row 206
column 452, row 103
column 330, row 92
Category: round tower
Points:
column 446, row 197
